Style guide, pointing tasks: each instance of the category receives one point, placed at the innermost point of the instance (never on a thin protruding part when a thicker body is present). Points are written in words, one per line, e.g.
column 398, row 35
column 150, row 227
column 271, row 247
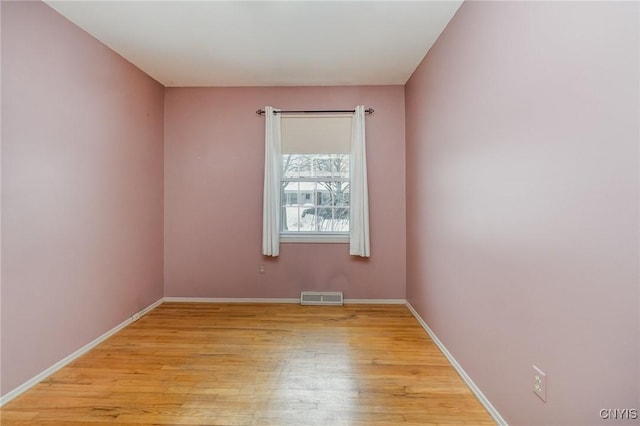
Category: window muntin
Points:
column 315, row 194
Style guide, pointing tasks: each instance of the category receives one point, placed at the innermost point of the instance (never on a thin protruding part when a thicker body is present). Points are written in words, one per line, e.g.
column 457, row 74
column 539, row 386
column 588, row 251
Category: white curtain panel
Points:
column 271, row 197
column 359, row 235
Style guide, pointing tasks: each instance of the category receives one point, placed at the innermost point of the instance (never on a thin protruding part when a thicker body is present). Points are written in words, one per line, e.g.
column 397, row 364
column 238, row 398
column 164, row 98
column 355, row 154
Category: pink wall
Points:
column 1, row 388
column 214, row 161
column 81, row 190
column 522, row 203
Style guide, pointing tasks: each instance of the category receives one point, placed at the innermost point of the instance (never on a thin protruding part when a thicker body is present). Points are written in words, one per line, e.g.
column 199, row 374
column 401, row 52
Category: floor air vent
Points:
column 321, row 298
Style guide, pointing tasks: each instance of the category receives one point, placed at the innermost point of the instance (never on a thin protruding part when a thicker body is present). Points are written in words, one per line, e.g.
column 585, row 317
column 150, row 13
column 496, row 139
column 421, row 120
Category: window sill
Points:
column 315, row 239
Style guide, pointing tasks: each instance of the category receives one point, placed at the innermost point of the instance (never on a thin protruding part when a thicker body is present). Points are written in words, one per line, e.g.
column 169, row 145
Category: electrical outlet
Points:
column 135, row 317
column 261, row 269
column 540, row 383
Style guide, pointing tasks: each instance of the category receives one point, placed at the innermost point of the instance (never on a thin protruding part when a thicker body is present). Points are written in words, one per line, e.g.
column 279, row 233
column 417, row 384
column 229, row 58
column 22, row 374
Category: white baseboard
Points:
column 272, row 300
column 465, row 377
column 63, row 362
column 374, row 301
column 228, row 300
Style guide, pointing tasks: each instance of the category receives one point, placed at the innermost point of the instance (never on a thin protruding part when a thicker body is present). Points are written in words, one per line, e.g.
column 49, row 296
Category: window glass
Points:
column 315, row 197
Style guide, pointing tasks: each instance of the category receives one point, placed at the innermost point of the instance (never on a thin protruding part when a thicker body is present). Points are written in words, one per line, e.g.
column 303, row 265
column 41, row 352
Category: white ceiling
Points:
column 266, row 43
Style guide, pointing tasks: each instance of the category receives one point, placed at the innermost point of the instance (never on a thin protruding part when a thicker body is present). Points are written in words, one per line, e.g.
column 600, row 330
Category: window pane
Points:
column 288, row 216
column 341, row 221
column 308, row 219
column 341, row 165
column 327, row 217
column 290, row 193
column 340, row 193
column 304, row 165
column 292, row 199
column 289, row 166
column 342, row 199
column 322, row 166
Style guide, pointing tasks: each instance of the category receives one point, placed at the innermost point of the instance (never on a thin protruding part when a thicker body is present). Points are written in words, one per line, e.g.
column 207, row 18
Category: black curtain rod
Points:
column 317, row 111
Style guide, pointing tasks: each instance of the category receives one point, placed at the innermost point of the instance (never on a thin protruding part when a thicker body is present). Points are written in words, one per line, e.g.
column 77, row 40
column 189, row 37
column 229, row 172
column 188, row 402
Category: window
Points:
column 315, row 181
column 315, row 178
column 321, row 181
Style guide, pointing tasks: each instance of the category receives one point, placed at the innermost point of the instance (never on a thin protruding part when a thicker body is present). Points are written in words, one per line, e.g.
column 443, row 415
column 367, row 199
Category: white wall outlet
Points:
column 540, row 383
column 135, row 317
column 261, row 269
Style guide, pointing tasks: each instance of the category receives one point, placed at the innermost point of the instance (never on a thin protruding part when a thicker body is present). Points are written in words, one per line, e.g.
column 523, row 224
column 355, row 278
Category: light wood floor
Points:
column 257, row 364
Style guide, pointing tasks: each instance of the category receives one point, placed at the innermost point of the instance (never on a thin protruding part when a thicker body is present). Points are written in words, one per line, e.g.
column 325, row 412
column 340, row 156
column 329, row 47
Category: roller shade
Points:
column 320, row 134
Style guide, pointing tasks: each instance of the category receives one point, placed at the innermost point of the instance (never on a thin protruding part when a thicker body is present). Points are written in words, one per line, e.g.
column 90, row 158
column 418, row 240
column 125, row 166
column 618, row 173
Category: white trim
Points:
column 374, row 301
column 228, row 300
column 272, row 300
column 63, row 362
column 463, row 374
column 314, row 239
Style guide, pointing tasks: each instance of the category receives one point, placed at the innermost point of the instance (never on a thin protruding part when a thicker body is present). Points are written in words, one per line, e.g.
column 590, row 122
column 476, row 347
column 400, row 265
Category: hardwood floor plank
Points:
column 257, row 364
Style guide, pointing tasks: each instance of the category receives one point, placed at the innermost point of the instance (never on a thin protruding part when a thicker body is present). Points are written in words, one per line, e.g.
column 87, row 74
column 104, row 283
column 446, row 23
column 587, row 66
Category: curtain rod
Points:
column 317, row 111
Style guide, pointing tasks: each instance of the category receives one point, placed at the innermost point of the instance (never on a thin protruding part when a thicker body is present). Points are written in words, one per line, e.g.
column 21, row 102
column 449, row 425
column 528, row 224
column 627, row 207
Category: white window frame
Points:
column 325, row 237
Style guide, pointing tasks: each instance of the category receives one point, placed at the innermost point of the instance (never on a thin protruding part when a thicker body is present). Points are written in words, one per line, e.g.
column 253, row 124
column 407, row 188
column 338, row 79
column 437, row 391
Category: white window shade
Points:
column 320, row 134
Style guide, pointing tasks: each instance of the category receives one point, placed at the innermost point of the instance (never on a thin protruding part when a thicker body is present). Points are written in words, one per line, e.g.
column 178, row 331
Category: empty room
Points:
column 320, row 213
